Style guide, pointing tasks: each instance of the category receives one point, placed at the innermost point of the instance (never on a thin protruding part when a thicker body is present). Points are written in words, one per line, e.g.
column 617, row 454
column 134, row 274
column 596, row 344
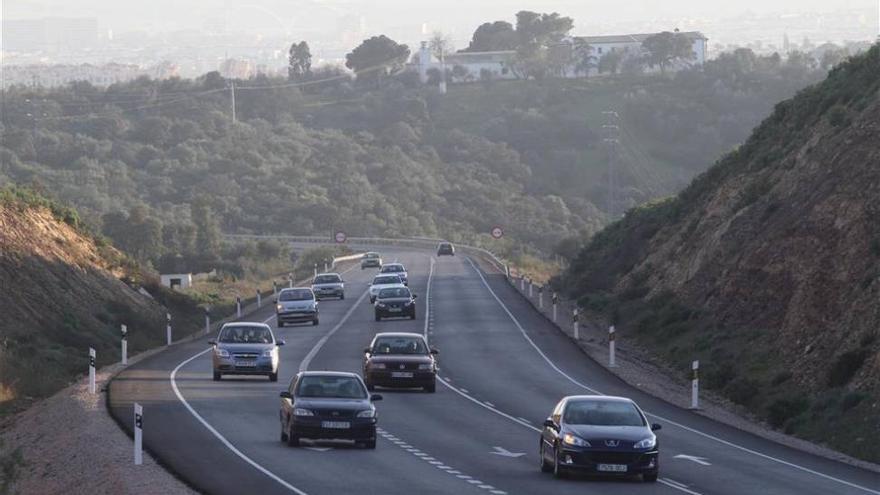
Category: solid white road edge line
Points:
column 220, row 437
column 661, row 418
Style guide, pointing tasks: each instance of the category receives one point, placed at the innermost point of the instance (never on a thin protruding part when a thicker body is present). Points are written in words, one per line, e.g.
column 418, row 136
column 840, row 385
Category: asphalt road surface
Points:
column 503, row 368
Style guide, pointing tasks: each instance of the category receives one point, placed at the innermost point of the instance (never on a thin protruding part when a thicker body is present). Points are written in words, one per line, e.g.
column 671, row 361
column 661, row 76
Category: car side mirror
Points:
column 415, row 296
column 366, row 350
column 655, row 427
column 285, row 395
column 549, row 423
column 212, row 342
column 275, row 300
column 375, row 397
column 280, row 342
column 435, row 351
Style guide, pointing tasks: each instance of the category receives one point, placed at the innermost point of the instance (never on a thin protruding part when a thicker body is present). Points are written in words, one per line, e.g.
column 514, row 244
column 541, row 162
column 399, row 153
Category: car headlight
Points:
column 381, row 305
column 647, row 443
column 426, row 366
column 268, row 352
column 377, row 366
column 298, row 411
column 222, row 353
column 367, row 413
column 279, row 307
column 569, row 439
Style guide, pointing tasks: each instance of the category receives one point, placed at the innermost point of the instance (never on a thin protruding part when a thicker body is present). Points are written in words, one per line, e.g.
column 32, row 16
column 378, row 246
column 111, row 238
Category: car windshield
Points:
column 392, row 269
column 602, row 413
column 246, row 335
column 386, row 280
column 331, row 387
column 327, row 279
column 371, row 255
column 445, row 246
column 399, row 345
column 393, row 292
column 296, row 295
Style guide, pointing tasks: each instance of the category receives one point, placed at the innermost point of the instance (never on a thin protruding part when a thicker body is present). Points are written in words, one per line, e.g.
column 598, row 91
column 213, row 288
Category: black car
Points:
column 395, row 302
column 599, row 435
column 445, row 249
column 328, row 405
column 400, row 360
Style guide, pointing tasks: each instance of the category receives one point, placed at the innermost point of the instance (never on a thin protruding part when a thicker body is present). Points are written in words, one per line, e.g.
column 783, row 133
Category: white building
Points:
column 472, row 66
column 177, row 280
column 631, row 45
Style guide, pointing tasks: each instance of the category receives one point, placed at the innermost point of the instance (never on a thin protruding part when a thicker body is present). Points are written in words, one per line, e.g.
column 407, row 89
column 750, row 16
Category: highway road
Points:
column 503, row 368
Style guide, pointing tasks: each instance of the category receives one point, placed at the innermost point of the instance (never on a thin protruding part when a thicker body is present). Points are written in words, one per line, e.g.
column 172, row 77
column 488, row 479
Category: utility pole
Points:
column 232, row 98
column 611, row 130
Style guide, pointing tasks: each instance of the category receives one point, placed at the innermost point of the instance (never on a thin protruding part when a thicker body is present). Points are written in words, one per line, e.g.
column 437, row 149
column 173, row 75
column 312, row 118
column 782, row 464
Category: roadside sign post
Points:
column 124, row 349
column 138, row 434
column 555, row 300
column 91, row 371
column 612, row 362
column 695, row 385
column 574, row 319
column 238, row 306
column 497, row 232
column 168, row 328
column 340, row 237
column 207, row 320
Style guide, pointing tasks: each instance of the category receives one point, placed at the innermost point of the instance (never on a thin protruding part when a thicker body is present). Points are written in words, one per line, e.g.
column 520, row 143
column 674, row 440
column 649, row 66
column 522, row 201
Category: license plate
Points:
column 337, row 425
column 612, row 468
column 394, row 310
column 245, row 364
column 401, row 374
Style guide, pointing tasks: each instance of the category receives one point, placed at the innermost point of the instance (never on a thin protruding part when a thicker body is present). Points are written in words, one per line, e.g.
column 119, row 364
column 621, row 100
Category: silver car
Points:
column 371, row 260
column 296, row 305
column 328, row 285
column 246, row 348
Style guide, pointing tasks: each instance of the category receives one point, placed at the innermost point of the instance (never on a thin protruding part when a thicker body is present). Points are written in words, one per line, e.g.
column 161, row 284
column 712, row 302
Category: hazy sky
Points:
column 124, row 15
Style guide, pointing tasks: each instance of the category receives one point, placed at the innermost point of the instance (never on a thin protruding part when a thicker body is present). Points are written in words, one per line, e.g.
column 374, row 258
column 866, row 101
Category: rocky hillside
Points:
column 63, row 291
column 767, row 267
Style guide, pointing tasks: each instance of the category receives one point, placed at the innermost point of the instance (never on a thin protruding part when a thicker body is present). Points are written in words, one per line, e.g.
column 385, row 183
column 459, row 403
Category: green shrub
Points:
column 851, row 400
column 783, row 409
column 846, row 366
column 781, row 377
column 838, row 116
column 742, row 390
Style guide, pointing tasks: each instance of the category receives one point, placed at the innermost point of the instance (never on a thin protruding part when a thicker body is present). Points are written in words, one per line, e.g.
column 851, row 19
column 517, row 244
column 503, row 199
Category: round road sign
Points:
column 340, row 237
column 497, row 232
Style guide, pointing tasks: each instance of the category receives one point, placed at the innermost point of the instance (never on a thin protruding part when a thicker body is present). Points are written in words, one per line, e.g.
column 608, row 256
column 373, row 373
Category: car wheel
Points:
column 431, row 388
column 217, row 376
column 558, row 471
column 370, row 444
column 292, row 440
column 378, row 318
column 650, row 478
column 546, row 467
column 315, row 322
column 283, row 434
column 342, row 297
column 279, row 323
column 273, row 377
column 412, row 316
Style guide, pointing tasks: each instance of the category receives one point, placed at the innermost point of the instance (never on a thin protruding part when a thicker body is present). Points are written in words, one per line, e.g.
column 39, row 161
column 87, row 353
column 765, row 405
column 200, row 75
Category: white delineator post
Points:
column 325, row 267
column 612, row 362
column 507, row 271
column 574, row 320
column 259, row 299
column 522, row 283
column 91, row 370
column 207, row 320
column 531, row 285
column 238, row 306
column 124, row 350
column 138, row 434
column 168, row 328
column 540, row 297
column 555, row 300
column 695, row 385
column 274, row 289
column 290, row 280
column 316, row 270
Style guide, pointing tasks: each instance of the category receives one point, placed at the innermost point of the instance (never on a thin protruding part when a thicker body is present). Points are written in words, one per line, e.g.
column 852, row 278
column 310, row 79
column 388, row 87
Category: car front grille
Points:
column 611, row 457
column 334, row 413
column 245, row 355
column 401, row 366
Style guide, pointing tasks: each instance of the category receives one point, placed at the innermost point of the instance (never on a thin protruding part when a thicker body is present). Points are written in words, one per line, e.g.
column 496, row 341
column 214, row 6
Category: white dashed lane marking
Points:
column 438, row 464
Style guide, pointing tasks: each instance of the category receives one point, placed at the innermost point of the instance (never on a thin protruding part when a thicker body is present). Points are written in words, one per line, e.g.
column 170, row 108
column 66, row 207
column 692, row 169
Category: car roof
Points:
column 387, row 275
column 597, row 398
column 370, row 252
column 329, row 373
column 286, row 289
column 246, row 324
column 399, row 334
column 393, row 264
column 328, row 273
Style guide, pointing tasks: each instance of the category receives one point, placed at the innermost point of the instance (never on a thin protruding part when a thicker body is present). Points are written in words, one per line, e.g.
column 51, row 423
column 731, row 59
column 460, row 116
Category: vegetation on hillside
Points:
column 744, row 270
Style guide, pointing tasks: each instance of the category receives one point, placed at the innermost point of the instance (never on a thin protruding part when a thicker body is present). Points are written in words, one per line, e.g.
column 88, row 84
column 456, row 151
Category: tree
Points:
column 536, row 34
column 375, row 57
column 300, row 61
column 583, row 57
column 493, row 36
column 441, row 44
column 610, row 62
column 207, row 229
column 665, row 48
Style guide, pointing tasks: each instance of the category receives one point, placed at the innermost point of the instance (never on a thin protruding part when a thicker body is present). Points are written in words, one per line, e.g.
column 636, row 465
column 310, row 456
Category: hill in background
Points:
column 766, row 267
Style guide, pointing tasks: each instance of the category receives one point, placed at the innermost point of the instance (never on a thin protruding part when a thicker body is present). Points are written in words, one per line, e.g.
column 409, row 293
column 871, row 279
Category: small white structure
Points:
column 177, row 280
column 631, row 45
column 468, row 66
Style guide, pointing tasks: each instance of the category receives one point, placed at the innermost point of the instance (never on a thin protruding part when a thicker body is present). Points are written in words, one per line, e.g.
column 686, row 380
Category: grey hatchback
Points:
column 246, row 348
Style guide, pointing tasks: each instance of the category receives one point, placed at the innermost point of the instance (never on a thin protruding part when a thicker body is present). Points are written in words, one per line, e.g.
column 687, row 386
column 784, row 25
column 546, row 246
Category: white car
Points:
column 383, row 281
column 328, row 285
column 395, row 269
